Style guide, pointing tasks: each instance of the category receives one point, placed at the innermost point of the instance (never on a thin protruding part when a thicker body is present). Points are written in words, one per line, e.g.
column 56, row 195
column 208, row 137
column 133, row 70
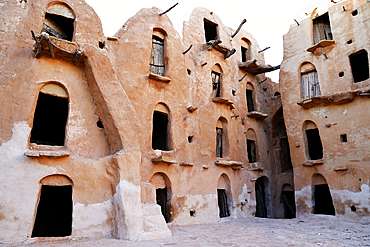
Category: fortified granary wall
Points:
column 324, row 82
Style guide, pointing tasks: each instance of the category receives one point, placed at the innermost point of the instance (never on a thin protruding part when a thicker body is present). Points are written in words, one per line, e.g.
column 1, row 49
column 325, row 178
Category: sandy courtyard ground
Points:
column 315, row 230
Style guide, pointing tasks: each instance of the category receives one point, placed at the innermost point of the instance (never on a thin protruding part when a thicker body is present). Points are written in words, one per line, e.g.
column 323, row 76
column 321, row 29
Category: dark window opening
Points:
column 321, row 28
column 161, row 196
column 360, row 65
column 244, row 54
column 349, row 41
column 315, row 150
column 54, row 212
column 233, row 92
column 216, row 85
column 100, row 124
column 58, row 26
column 353, row 208
column 160, row 134
column 190, row 139
column 192, row 213
column 101, row 44
column 341, row 74
column 219, row 142
column 277, row 94
column 251, row 149
column 210, row 30
column 249, row 96
column 343, row 138
column 323, row 200
column 222, row 203
column 261, row 209
column 189, row 71
column 289, row 204
column 354, row 13
column 50, row 120
column 157, row 56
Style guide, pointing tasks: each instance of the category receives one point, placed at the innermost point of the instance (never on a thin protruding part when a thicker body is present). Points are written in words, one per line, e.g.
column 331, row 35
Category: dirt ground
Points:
column 315, row 230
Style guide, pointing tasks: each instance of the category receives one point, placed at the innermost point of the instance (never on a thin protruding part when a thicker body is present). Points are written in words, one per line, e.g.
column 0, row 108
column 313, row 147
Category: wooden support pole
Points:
column 229, row 53
column 215, row 42
column 183, row 53
column 263, row 80
column 264, row 49
column 168, row 9
column 243, row 77
column 240, row 26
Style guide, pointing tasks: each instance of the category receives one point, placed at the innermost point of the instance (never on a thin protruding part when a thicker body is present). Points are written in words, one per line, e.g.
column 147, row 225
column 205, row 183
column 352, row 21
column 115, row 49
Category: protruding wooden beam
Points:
column 229, row 53
column 214, row 43
column 240, row 26
column 296, row 22
column 184, row 52
column 264, row 49
column 203, row 64
column 243, row 77
column 168, row 9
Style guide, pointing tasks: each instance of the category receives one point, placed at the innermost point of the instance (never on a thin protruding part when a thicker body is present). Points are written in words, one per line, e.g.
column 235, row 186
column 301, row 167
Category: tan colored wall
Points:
column 109, row 167
column 350, row 187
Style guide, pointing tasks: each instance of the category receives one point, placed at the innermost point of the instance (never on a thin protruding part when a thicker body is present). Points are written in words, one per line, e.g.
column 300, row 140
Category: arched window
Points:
column 251, row 146
column 54, row 210
column 50, row 119
column 313, row 141
column 222, row 142
column 249, row 97
column 163, row 193
column 224, row 197
column 216, row 81
column 322, row 201
column 245, row 49
column 310, row 81
column 160, row 134
column 59, row 21
column 157, row 64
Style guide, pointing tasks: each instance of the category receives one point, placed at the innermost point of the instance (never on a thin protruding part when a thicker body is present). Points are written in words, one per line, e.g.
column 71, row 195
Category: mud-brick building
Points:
column 325, row 85
column 115, row 136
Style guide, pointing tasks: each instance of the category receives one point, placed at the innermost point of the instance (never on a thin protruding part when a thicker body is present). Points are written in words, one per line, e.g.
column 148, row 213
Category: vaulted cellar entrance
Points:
column 262, row 199
column 163, row 193
column 224, row 195
column 287, row 196
column 322, row 201
column 54, row 211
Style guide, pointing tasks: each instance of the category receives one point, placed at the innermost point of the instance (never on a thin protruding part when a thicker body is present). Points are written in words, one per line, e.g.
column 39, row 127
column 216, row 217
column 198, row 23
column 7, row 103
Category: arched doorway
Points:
column 54, row 210
column 322, row 201
column 224, row 197
column 288, row 198
column 163, row 193
column 261, row 187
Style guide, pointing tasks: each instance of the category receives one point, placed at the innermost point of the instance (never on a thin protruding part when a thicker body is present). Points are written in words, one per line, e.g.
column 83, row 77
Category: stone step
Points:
column 151, row 209
column 154, row 222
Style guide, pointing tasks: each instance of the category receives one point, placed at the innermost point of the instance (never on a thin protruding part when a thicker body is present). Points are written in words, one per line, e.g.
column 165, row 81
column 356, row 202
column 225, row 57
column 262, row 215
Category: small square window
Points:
column 343, row 138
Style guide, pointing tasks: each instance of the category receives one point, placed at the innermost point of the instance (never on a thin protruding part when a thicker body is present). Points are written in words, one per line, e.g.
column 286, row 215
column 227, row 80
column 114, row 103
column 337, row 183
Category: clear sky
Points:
column 267, row 20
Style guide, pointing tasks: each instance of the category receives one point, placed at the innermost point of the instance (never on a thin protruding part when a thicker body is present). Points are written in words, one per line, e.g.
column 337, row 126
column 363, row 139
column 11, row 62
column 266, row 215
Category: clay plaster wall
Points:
column 348, row 116
column 110, row 166
column 194, row 187
column 94, row 172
